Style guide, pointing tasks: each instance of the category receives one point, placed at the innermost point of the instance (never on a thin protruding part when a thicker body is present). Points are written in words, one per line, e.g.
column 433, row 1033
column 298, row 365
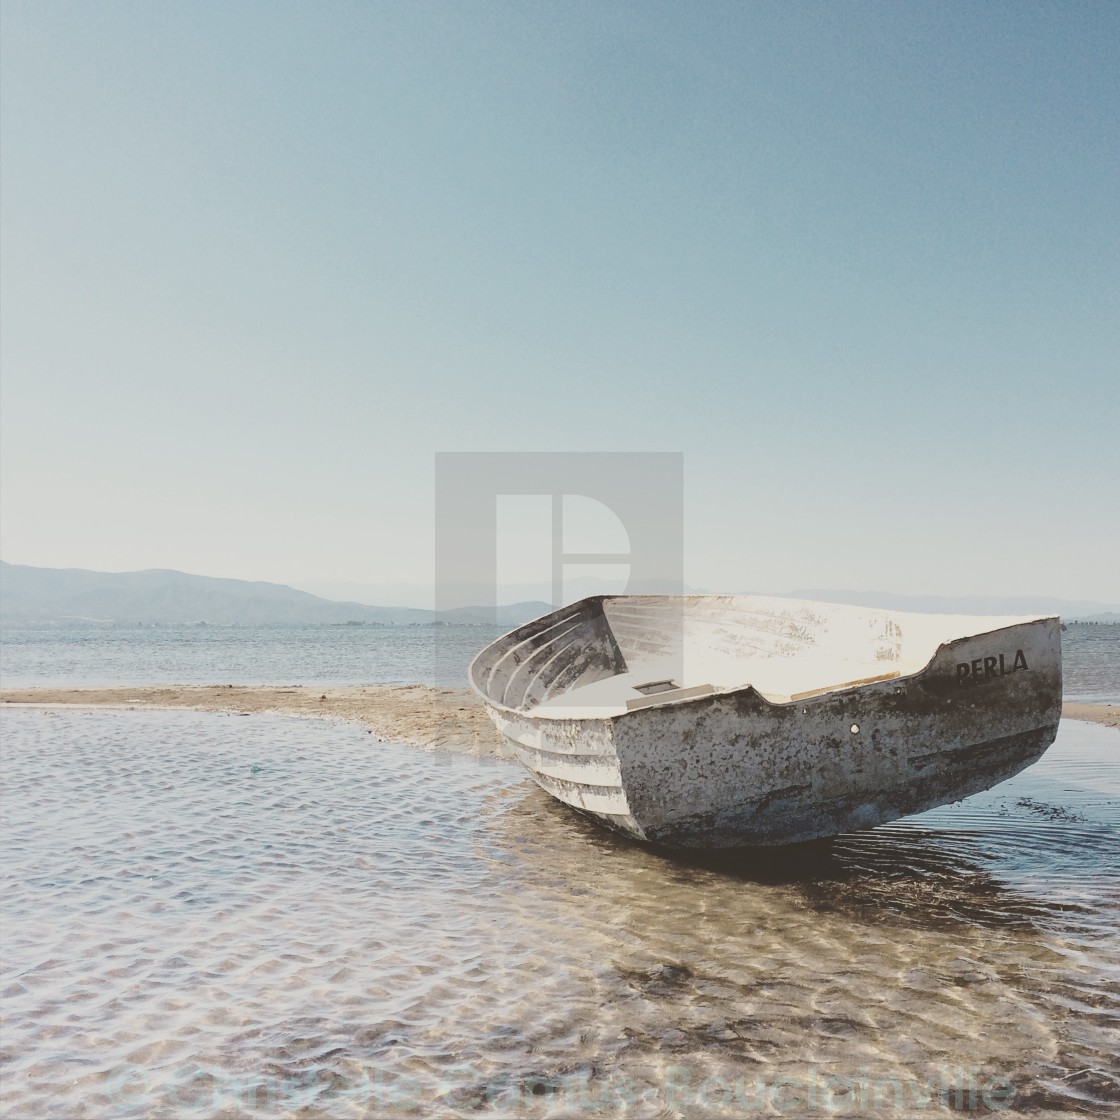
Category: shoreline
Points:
column 1108, row 714
column 450, row 719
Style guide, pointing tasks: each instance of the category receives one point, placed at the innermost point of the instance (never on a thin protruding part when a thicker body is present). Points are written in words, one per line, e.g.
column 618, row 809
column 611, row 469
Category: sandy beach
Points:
column 450, row 719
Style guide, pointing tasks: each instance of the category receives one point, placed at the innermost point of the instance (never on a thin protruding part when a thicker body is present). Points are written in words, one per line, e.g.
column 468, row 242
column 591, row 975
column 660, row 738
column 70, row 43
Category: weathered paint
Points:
column 739, row 764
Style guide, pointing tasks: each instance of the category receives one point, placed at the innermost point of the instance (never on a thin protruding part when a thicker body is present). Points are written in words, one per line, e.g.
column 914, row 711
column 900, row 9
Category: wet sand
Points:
column 450, row 719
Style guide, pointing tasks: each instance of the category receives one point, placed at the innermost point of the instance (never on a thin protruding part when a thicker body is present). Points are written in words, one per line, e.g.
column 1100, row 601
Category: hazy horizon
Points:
column 857, row 263
column 422, row 597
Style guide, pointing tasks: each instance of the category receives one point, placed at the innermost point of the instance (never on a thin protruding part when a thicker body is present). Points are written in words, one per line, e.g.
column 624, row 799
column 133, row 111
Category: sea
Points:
column 209, row 915
column 102, row 654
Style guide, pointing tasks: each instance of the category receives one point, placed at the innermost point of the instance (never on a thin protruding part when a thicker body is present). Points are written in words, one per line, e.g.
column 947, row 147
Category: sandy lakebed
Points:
column 272, row 916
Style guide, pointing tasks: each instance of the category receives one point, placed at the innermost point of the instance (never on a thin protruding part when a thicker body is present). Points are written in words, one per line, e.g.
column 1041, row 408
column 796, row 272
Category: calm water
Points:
column 228, row 916
column 91, row 655
column 1091, row 663
column 41, row 654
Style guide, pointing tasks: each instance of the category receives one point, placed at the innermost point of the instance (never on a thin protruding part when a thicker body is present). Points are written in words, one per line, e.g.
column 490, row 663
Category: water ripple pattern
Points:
column 222, row 916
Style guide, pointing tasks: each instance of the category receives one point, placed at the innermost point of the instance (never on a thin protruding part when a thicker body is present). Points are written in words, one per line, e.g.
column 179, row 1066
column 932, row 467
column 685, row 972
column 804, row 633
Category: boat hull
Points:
column 735, row 768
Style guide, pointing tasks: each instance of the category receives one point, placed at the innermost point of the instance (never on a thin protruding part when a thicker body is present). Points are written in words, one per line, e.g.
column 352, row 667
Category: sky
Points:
column 858, row 263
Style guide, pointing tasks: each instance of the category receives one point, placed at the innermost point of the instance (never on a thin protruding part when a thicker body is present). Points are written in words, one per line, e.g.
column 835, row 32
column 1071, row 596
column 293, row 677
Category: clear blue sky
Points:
column 859, row 262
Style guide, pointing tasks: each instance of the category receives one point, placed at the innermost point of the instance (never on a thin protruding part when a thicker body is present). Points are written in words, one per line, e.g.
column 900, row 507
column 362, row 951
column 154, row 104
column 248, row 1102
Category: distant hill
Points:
column 160, row 595
column 29, row 594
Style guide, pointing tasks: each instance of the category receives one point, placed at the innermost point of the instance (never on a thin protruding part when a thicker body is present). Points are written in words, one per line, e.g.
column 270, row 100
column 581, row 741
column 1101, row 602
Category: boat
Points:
column 716, row 721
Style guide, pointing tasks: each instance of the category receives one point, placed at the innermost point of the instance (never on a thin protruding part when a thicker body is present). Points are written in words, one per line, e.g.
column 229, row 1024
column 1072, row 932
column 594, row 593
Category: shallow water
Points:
column 211, row 915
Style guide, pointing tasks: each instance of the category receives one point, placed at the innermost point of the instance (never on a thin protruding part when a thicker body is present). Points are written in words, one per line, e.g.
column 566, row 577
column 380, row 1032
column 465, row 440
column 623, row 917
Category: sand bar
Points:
column 1108, row 714
column 450, row 719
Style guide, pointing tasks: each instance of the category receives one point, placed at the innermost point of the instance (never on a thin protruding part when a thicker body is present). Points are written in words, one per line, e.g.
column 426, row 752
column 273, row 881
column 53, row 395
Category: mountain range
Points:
column 158, row 595
column 30, row 594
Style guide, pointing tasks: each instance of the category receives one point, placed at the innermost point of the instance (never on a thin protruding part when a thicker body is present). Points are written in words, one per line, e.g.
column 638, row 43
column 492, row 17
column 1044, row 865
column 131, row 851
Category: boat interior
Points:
column 605, row 656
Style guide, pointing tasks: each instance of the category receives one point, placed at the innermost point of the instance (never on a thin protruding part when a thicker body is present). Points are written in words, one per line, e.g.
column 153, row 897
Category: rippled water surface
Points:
column 212, row 915
column 1091, row 662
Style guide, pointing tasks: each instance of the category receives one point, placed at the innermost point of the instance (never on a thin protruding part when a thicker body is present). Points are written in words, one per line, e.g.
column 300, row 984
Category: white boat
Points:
column 719, row 721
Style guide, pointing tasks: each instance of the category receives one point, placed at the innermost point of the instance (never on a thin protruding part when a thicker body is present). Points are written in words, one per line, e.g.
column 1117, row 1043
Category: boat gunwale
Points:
column 741, row 690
